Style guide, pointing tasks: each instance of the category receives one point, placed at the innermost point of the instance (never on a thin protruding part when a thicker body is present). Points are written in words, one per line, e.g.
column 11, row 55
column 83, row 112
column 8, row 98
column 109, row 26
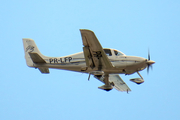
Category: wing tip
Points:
column 87, row 30
column 27, row 39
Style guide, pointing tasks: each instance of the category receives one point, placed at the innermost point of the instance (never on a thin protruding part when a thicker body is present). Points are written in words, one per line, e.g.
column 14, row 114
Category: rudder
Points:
column 30, row 46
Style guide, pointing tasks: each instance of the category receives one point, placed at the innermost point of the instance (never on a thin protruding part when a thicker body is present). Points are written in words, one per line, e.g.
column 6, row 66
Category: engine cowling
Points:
column 137, row 80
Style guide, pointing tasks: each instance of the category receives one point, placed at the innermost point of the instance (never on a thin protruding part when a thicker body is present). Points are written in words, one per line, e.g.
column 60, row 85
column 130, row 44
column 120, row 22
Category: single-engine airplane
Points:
column 104, row 63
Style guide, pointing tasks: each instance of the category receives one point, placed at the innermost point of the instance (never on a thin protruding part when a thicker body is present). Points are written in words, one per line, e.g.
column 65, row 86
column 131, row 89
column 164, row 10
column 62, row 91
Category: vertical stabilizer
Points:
column 30, row 46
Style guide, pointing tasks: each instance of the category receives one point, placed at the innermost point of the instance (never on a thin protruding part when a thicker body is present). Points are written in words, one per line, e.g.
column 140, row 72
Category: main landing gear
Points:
column 107, row 85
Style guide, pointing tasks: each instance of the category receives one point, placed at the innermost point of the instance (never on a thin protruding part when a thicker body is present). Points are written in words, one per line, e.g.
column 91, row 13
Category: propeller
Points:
column 149, row 62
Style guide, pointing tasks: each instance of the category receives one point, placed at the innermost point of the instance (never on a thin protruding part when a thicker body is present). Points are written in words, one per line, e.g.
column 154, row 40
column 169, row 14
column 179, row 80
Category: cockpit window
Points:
column 108, row 52
column 117, row 53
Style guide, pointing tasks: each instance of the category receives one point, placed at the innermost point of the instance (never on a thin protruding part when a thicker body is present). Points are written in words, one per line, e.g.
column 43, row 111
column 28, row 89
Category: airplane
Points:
column 104, row 64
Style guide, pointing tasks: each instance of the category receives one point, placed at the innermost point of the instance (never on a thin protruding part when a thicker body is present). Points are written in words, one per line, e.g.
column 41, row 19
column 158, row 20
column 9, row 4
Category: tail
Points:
column 29, row 48
column 33, row 55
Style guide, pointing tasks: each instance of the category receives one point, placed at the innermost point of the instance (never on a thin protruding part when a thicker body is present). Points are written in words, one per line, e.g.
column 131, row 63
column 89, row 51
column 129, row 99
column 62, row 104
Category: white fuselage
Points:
column 122, row 64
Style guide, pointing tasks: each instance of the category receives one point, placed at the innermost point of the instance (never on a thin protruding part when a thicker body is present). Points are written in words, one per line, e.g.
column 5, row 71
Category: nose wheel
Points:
column 138, row 80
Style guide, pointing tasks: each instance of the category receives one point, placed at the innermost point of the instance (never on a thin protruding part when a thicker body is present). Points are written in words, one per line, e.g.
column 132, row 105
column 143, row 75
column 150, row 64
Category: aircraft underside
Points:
column 83, row 68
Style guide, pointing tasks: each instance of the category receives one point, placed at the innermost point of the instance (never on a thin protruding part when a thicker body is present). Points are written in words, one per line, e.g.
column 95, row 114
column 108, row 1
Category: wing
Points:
column 94, row 54
column 117, row 81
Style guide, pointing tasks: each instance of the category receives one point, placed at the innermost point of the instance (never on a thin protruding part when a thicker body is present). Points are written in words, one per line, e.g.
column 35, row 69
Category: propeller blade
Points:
column 148, row 55
column 148, row 69
column 151, row 67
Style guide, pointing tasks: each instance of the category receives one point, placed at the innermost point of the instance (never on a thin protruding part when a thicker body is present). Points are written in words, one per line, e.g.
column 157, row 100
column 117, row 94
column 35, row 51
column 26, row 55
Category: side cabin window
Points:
column 108, row 52
column 117, row 53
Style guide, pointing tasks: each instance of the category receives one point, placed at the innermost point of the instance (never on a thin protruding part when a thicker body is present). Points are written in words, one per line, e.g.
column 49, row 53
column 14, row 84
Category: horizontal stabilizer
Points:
column 43, row 69
column 36, row 58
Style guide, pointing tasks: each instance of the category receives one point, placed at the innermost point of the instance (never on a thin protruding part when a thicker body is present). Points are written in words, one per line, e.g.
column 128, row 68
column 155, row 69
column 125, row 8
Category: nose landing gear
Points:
column 137, row 80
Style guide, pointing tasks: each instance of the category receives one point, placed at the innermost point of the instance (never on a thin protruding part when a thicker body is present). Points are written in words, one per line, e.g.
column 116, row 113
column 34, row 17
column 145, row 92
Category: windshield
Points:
column 117, row 53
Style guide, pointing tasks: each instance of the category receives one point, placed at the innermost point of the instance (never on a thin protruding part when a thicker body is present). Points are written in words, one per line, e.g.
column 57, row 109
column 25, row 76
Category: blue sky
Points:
column 129, row 26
